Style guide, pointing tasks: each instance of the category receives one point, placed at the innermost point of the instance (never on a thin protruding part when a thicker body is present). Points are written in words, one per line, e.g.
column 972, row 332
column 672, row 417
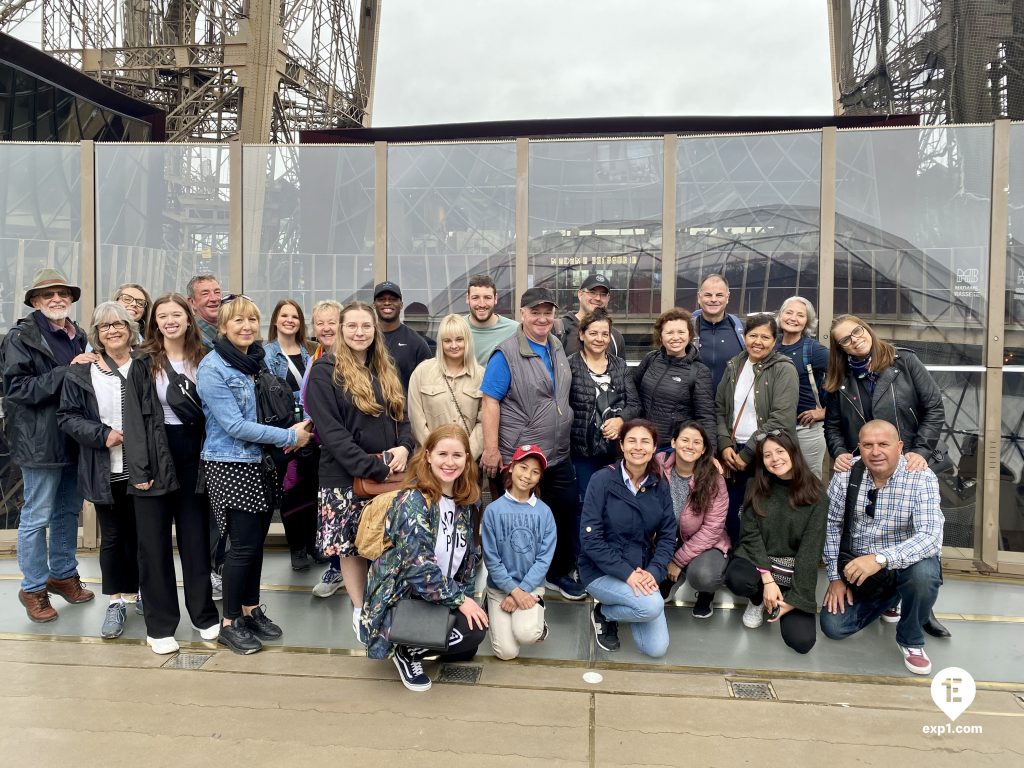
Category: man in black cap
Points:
column 595, row 293
column 36, row 356
column 405, row 345
column 526, row 400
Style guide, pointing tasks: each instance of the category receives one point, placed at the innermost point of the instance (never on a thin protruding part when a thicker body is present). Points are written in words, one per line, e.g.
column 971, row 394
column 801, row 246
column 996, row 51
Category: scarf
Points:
column 859, row 368
column 248, row 363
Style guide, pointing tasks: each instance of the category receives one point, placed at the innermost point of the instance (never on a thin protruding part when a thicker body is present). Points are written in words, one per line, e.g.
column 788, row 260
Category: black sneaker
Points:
column 258, row 623
column 606, row 632
column 704, row 607
column 410, row 669
column 238, row 638
column 301, row 561
column 543, row 633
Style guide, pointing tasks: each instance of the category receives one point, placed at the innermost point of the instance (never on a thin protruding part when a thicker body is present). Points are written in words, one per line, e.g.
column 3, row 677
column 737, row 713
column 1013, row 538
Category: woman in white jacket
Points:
column 446, row 389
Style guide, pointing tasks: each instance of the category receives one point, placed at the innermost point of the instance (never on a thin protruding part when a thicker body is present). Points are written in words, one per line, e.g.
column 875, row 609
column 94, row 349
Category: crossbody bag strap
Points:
column 294, row 369
column 736, row 423
column 810, row 374
column 451, row 391
column 852, row 493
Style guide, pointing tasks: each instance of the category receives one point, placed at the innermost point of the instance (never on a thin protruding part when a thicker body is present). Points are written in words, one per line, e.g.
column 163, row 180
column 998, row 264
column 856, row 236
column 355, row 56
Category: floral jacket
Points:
column 410, row 567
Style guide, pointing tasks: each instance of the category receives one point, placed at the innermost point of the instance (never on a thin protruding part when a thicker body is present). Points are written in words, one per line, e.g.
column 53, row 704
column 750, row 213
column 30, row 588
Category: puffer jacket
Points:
column 79, row 417
column 676, row 389
column 147, row 455
column 583, row 398
column 776, row 392
column 905, row 395
column 32, row 381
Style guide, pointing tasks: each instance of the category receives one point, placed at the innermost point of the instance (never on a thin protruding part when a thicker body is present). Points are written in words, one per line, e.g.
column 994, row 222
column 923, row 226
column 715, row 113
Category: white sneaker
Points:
column 753, row 616
column 330, row 582
column 357, row 617
column 162, row 645
column 212, row 632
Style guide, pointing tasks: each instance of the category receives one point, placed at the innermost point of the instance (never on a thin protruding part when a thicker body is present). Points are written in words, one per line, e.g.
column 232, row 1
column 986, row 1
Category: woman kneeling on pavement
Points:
column 776, row 561
column 433, row 557
column 627, row 536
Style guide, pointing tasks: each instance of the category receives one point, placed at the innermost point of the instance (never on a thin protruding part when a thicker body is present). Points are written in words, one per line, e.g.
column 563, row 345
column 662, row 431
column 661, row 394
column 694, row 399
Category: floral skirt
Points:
column 338, row 521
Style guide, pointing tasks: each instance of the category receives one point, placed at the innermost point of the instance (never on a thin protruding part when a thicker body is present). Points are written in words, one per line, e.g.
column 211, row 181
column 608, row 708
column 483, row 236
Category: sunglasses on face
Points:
column 62, row 293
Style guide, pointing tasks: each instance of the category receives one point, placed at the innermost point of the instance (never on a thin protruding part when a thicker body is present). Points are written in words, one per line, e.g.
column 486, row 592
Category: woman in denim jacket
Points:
column 241, row 486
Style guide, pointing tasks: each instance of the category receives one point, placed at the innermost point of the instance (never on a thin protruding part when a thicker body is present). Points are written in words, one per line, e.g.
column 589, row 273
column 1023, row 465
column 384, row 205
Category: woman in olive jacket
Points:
column 757, row 396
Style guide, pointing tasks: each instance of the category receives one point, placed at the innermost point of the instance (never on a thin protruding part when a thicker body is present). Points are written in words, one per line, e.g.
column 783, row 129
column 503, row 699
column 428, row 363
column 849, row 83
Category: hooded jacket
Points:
column 32, row 383
column 676, row 389
column 776, row 392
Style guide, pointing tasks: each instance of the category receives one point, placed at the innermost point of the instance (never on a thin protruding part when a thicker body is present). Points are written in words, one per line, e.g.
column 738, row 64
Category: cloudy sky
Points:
column 465, row 60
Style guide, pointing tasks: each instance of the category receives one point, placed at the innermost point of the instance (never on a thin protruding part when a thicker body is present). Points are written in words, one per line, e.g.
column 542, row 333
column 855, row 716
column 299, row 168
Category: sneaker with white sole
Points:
column 212, row 632
column 606, row 631
column 162, row 645
column 753, row 616
column 330, row 582
column 410, row 669
column 217, row 585
column 916, row 660
column 113, row 620
column 892, row 615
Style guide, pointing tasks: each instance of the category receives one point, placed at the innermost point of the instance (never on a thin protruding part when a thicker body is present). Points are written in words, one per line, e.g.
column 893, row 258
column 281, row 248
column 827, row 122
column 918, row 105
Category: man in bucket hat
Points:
column 36, row 356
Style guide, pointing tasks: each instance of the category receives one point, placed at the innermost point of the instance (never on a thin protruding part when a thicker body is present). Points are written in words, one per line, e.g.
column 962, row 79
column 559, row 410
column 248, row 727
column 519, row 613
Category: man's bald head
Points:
column 880, row 448
column 880, row 424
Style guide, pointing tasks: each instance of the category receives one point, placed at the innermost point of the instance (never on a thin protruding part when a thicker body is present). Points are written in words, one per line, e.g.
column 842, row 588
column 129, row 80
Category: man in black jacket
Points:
column 405, row 345
column 36, row 356
column 594, row 293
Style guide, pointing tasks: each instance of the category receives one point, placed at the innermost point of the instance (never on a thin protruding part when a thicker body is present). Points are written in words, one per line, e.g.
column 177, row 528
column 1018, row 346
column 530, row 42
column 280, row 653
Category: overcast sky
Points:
column 465, row 60
column 446, row 61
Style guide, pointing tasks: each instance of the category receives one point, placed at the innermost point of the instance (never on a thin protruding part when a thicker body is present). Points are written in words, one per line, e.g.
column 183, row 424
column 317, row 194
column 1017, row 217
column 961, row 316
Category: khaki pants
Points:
column 509, row 631
column 812, row 445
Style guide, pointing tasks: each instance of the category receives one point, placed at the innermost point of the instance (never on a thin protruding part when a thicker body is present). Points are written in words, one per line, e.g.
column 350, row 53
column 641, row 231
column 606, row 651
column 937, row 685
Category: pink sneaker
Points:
column 916, row 660
column 892, row 615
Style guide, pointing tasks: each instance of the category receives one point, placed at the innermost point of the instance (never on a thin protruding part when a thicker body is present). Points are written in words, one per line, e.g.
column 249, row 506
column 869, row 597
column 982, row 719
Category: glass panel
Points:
column 1014, row 342
column 308, row 222
column 748, row 208
column 162, row 215
column 596, row 206
column 451, row 214
column 912, row 229
column 40, row 226
column 1011, row 464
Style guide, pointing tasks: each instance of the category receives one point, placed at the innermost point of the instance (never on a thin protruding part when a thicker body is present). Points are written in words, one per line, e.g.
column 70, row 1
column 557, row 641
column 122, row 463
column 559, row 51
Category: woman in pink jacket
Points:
column 700, row 501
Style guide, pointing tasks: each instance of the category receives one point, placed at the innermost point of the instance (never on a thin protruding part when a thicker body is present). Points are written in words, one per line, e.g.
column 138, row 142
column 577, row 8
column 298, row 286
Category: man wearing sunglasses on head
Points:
column 883, row 546
column 36, row 355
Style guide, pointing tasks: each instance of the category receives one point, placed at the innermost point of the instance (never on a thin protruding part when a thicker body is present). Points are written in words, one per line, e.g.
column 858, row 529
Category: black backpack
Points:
column 275, row 407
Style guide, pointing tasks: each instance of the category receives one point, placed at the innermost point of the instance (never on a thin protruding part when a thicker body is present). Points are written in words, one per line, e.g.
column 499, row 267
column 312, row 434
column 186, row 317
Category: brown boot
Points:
column 70, row 589
column 37, row 605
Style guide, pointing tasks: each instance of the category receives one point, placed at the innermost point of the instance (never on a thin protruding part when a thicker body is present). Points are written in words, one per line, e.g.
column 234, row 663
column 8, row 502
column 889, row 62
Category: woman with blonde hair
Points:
column 434, row 557
column 446, row 389
column 356, row 401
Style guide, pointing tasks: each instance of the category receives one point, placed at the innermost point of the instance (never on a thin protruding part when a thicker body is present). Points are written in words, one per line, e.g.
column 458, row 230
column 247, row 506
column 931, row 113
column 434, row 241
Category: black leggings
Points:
column 799, row 628
column 119, row 545
column 244, row 562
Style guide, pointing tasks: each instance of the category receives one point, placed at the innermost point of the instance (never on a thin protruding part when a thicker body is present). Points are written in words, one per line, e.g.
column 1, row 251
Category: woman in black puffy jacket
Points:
column 674, row 385
column 603, row 397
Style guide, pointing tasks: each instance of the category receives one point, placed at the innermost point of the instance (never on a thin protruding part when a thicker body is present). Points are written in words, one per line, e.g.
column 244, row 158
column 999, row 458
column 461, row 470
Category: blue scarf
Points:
column 859, row 368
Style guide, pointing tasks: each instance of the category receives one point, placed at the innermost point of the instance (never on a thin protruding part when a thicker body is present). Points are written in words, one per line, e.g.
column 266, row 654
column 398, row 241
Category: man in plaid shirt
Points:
column 897, row 526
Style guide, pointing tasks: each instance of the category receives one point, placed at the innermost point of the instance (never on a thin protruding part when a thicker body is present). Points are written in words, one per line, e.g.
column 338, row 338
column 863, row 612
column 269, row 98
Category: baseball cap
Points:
column 525, row 451
column 594, row 281
column 387, row 287
column 533, row 297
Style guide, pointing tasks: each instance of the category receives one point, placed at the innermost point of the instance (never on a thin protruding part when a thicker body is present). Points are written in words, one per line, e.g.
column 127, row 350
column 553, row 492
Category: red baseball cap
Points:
column 525, row 451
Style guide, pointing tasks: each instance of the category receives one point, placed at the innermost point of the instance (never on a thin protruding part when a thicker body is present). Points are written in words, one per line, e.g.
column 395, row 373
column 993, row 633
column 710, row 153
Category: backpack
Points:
column 371, row 538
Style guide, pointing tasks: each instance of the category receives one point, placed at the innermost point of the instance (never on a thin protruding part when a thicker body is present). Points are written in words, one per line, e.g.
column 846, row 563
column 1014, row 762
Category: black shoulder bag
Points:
column 275, row 407
column 880, row 584
column 183, row 398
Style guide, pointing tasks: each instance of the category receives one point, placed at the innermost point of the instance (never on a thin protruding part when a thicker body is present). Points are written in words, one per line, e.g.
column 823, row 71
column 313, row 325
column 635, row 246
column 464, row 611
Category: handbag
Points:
column 183, row 397
column 421, row 624
column 878, row 585
column 607, row 405
column 367, row 487
column 782, row 570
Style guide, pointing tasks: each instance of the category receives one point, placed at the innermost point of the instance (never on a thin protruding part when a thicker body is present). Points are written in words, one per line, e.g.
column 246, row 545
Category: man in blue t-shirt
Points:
column 526, row 400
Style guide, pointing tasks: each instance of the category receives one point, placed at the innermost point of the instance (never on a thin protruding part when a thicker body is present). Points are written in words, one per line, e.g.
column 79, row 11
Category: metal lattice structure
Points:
column 951, row 61
column 260, row 70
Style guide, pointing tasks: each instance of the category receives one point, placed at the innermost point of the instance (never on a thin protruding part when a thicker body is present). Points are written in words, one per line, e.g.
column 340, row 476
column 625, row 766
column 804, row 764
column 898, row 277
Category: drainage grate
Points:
column 756, row 691
column 460, row 674
column 187, row 661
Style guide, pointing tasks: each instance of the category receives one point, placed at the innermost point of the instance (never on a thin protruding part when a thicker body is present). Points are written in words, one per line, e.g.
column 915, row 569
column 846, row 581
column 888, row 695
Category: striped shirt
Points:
column 906, row 528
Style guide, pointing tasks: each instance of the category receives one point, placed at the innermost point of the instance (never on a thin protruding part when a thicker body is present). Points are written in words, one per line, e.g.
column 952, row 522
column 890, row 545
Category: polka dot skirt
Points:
column 236, row 485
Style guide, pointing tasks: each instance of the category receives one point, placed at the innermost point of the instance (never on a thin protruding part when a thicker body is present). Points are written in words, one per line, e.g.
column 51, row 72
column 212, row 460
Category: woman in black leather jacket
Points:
column 869, row 378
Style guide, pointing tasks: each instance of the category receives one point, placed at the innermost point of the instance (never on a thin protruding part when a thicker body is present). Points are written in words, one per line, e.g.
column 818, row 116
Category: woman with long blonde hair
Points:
column 355, row 399
column 446, row 388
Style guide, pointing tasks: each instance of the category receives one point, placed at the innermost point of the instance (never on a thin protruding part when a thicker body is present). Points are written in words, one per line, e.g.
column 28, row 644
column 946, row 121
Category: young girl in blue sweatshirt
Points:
column 518, row 534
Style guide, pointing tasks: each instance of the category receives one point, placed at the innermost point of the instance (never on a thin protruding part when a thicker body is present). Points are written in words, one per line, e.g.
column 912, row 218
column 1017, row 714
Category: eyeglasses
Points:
column 117, row 325
column 856, row 333
column 131, row 301
column 599, row 292
column 869, row 510
column 232, row 296
column 63, row 293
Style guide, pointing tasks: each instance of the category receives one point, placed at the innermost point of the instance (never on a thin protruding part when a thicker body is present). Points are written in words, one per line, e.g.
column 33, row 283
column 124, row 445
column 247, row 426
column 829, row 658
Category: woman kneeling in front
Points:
column 433, row 557
column 627, row 536
column 783, row 522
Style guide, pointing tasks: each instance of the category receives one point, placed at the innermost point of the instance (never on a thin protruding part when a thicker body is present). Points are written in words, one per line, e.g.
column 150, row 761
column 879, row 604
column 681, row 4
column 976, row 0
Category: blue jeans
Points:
column 51, row 501
column 645, row 614
column 916, row 585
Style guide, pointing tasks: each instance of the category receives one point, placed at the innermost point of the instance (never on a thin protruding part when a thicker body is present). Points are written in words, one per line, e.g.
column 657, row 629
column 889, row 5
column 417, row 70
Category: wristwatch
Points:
column 880, row 559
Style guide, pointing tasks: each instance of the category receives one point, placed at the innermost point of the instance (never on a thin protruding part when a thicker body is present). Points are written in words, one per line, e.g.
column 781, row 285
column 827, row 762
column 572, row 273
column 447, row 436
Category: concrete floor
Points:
column 66, row 695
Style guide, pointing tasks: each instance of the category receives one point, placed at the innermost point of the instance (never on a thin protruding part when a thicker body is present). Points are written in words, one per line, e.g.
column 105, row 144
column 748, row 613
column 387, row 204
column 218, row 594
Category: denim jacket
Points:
column 229, row 403
column 277, row 361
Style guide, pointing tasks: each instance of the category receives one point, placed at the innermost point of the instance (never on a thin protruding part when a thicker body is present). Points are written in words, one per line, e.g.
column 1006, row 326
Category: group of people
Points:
column 701, row 464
